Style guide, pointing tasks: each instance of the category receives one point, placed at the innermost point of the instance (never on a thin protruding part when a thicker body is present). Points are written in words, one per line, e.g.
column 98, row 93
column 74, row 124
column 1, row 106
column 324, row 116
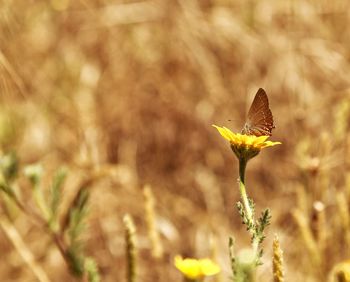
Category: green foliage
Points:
column 55, row 196
column 231, row 244
column 78, row 263
column 57, row 184
column 76, row 226
column 34, row 173
column 92, row 270
column 257, row 227
column 67, row 236
column 8, row 172
column 9, row 166
column 246, row 220
column 77, row 215
column 263, row 221
column 6, row 189
column 75, row 260
column 243, row 265
column 251, row 205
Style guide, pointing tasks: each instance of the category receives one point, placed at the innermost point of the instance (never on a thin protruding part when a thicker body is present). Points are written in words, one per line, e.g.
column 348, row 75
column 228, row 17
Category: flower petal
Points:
column 195, row 269
column 189, row 267
column 262, row 138
column 208, row 267
column 245, row 142
column 223, row 132
column 270, row 144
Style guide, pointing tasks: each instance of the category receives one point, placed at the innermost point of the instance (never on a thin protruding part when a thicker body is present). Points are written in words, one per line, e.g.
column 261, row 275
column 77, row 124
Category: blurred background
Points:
column 131, row 89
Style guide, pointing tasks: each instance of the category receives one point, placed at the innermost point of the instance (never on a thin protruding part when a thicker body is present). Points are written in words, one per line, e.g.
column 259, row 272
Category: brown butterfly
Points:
column 259, row 120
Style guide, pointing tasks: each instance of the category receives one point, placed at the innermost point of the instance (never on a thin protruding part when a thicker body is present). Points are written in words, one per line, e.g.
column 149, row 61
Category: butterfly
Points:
column 259, row 120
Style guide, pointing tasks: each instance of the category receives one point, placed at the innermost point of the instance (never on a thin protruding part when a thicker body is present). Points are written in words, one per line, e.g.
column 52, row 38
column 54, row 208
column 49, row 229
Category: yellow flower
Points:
column 196, row 268
column 341, row 271
column 245, row 146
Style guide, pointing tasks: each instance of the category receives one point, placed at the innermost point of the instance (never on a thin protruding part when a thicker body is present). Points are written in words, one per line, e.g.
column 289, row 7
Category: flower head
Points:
column 245, row 146
column 196, row 268
column 341, row 271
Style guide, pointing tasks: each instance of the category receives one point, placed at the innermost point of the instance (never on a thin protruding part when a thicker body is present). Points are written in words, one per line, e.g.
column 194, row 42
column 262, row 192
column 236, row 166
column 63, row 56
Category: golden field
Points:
column 123, row 94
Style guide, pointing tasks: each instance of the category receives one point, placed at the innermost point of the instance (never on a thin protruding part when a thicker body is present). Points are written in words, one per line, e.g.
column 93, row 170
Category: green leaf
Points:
column 9, row 166
column 77, row 214
column 92, row 270
column 34, row 173
column 76, row 262
column 56, row 190
column 231, row 243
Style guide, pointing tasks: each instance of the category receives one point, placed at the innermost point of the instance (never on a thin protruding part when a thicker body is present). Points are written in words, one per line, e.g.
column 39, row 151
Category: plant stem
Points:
column 242, row 167
column 40, row 201
column 246, row 205
column 242, row 190
column 40, row 221
column 245, row 200
column 192, row 280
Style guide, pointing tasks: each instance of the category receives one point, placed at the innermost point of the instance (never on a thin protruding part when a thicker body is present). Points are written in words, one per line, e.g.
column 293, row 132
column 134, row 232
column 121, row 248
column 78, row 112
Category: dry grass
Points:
column 132, row 88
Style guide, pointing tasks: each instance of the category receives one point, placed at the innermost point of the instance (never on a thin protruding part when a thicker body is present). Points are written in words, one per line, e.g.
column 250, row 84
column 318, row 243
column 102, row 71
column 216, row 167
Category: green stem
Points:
column 245, row 200
column 242, row 167
column 246, row 205
column 192, row 280
column 40, row 201
column 242, row 190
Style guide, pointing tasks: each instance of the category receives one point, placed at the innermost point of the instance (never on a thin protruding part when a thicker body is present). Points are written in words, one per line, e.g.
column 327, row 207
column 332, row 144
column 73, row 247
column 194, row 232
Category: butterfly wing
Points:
column 259, row 119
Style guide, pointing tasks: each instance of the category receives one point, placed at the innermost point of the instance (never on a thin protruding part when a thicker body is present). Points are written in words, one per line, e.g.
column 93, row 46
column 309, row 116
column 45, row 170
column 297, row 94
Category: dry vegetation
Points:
column 123, row 94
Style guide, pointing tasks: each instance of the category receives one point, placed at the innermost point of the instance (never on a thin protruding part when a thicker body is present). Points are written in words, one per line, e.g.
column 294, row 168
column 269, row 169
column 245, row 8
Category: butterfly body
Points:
column 259, row 119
